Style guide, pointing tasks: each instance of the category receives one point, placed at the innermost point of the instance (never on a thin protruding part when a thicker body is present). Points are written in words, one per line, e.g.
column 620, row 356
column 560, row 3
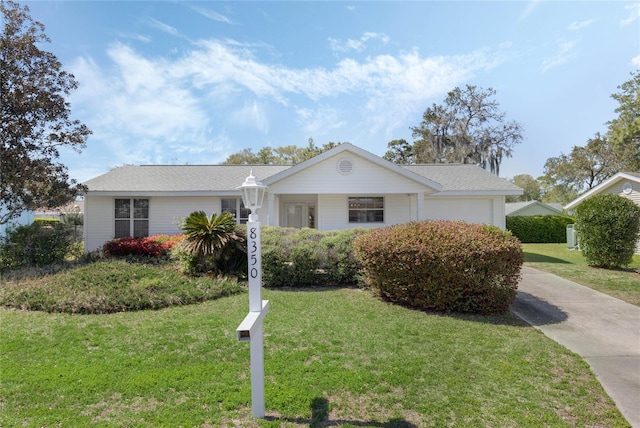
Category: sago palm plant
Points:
column 207, row 238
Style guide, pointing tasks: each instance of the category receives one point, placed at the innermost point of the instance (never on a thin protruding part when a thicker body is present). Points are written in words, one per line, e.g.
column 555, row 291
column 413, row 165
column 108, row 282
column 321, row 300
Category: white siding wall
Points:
column 165, row 212
column 333, row 211
column 365, row 178
column 499, row 212
column 98, row 221
column 163, row 215
column 616, row 189
column 473, row 210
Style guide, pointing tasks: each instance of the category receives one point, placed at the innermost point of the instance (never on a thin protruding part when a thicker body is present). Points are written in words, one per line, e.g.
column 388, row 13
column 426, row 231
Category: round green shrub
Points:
column 39, row 244
column 608, row 228
column 442, row 266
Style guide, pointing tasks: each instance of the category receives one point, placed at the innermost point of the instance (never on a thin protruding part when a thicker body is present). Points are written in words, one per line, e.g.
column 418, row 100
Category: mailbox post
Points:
column 251, row 327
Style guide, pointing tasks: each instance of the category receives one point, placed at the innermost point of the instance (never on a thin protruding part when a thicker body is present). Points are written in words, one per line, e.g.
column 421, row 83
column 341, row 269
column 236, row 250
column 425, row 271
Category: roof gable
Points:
column 514, row 208
column 621, row 176
column 346, row 149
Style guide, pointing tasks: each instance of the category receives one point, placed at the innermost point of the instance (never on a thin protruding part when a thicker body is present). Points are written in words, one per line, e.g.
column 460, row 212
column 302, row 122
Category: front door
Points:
column 294, row 214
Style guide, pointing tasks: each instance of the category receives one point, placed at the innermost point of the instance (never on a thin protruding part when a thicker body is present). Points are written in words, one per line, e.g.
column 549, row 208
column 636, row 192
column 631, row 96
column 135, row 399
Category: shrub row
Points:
column 149, row 246
column 608, row 227
column 303, row 257
column 442, row 265
column 541, row 229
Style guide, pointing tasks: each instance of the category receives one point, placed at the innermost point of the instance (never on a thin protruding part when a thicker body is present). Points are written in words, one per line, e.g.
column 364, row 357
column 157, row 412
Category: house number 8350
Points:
column 253, row 253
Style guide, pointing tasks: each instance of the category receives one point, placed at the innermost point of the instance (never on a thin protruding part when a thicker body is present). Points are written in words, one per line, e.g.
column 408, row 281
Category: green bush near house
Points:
column 443, row 266
column 39, row 244
column 306, row 257
column 539, row 229
column 608, row 226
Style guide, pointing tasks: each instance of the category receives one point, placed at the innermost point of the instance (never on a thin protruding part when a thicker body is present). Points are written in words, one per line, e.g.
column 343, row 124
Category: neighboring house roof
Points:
column 517, row 208
column 621, row 176
column 445, row 179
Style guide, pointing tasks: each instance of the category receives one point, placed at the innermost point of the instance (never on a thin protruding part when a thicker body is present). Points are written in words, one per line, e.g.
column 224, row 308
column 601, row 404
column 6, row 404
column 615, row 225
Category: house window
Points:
column 131, row 218
column 366, row 209
column 235, row 206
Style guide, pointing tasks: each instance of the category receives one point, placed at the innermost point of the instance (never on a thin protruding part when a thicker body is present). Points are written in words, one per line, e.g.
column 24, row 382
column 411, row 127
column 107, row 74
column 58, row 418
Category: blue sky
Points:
column 193, row 82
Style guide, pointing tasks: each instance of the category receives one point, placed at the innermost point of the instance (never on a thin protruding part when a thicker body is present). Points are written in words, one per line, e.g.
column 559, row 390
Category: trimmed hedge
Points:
column 608, row 228
column 443, row 266
column 539, row 229
column 306, row 257
column 45, row 220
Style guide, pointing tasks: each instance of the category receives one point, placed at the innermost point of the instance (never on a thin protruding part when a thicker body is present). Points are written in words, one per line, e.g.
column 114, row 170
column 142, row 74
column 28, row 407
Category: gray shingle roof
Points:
column 454, row 178
column 179, row 178
column 461, row 178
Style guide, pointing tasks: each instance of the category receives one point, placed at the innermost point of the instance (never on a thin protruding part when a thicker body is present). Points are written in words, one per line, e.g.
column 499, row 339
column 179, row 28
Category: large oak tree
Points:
column 35, row 118
column 468, row 128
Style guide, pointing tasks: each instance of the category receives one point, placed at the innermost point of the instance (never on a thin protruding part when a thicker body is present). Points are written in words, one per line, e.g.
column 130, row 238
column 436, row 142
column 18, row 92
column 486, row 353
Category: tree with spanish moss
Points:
column 35, row 119
column 467, row 128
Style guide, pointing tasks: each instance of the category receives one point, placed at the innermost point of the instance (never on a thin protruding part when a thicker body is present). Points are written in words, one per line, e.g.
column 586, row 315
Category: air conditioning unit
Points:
column 572, row 237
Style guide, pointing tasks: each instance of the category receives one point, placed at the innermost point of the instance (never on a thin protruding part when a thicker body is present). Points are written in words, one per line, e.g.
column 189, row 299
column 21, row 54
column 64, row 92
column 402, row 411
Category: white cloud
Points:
column 166, row 28
column 135, row 108
column 357, row 44
column 579, row 25
column 565, row 53
column 531, row 6
column 133, row 36
column 213, row 15
column 160, row 110
column 636, row 61
column 319, row 120
column 634, row 14
column 251, row 114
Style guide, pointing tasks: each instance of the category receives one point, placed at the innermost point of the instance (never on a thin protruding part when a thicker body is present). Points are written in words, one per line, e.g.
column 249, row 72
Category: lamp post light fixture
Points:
column 250, row 330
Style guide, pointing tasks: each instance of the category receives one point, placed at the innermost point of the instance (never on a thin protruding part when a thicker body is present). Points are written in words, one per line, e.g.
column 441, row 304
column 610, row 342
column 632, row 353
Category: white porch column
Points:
column 270, row 211
column 420, row 205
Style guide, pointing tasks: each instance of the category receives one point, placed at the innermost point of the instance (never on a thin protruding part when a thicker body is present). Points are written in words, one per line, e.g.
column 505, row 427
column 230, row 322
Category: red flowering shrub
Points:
column 442, row 266
column 149, row 246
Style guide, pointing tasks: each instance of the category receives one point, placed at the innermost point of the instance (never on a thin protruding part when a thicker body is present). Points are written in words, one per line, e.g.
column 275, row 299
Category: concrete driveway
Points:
column 603, row 330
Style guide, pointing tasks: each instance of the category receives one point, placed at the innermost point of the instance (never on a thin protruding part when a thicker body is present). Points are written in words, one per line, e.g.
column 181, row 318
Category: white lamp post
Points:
column 251, row 327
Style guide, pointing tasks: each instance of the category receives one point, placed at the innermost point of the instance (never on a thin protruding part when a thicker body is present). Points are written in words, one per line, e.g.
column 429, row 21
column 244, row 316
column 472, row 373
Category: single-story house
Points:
column 625, row 184
column 341, row 188
column 530, row 208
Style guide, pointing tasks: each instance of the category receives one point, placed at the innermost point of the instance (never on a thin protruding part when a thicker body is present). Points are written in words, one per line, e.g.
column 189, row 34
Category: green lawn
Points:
column 333, row 357
column 570, row 264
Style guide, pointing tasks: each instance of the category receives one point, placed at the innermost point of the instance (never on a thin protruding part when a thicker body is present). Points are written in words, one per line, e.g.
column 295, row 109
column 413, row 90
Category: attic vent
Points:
column 345, row 166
